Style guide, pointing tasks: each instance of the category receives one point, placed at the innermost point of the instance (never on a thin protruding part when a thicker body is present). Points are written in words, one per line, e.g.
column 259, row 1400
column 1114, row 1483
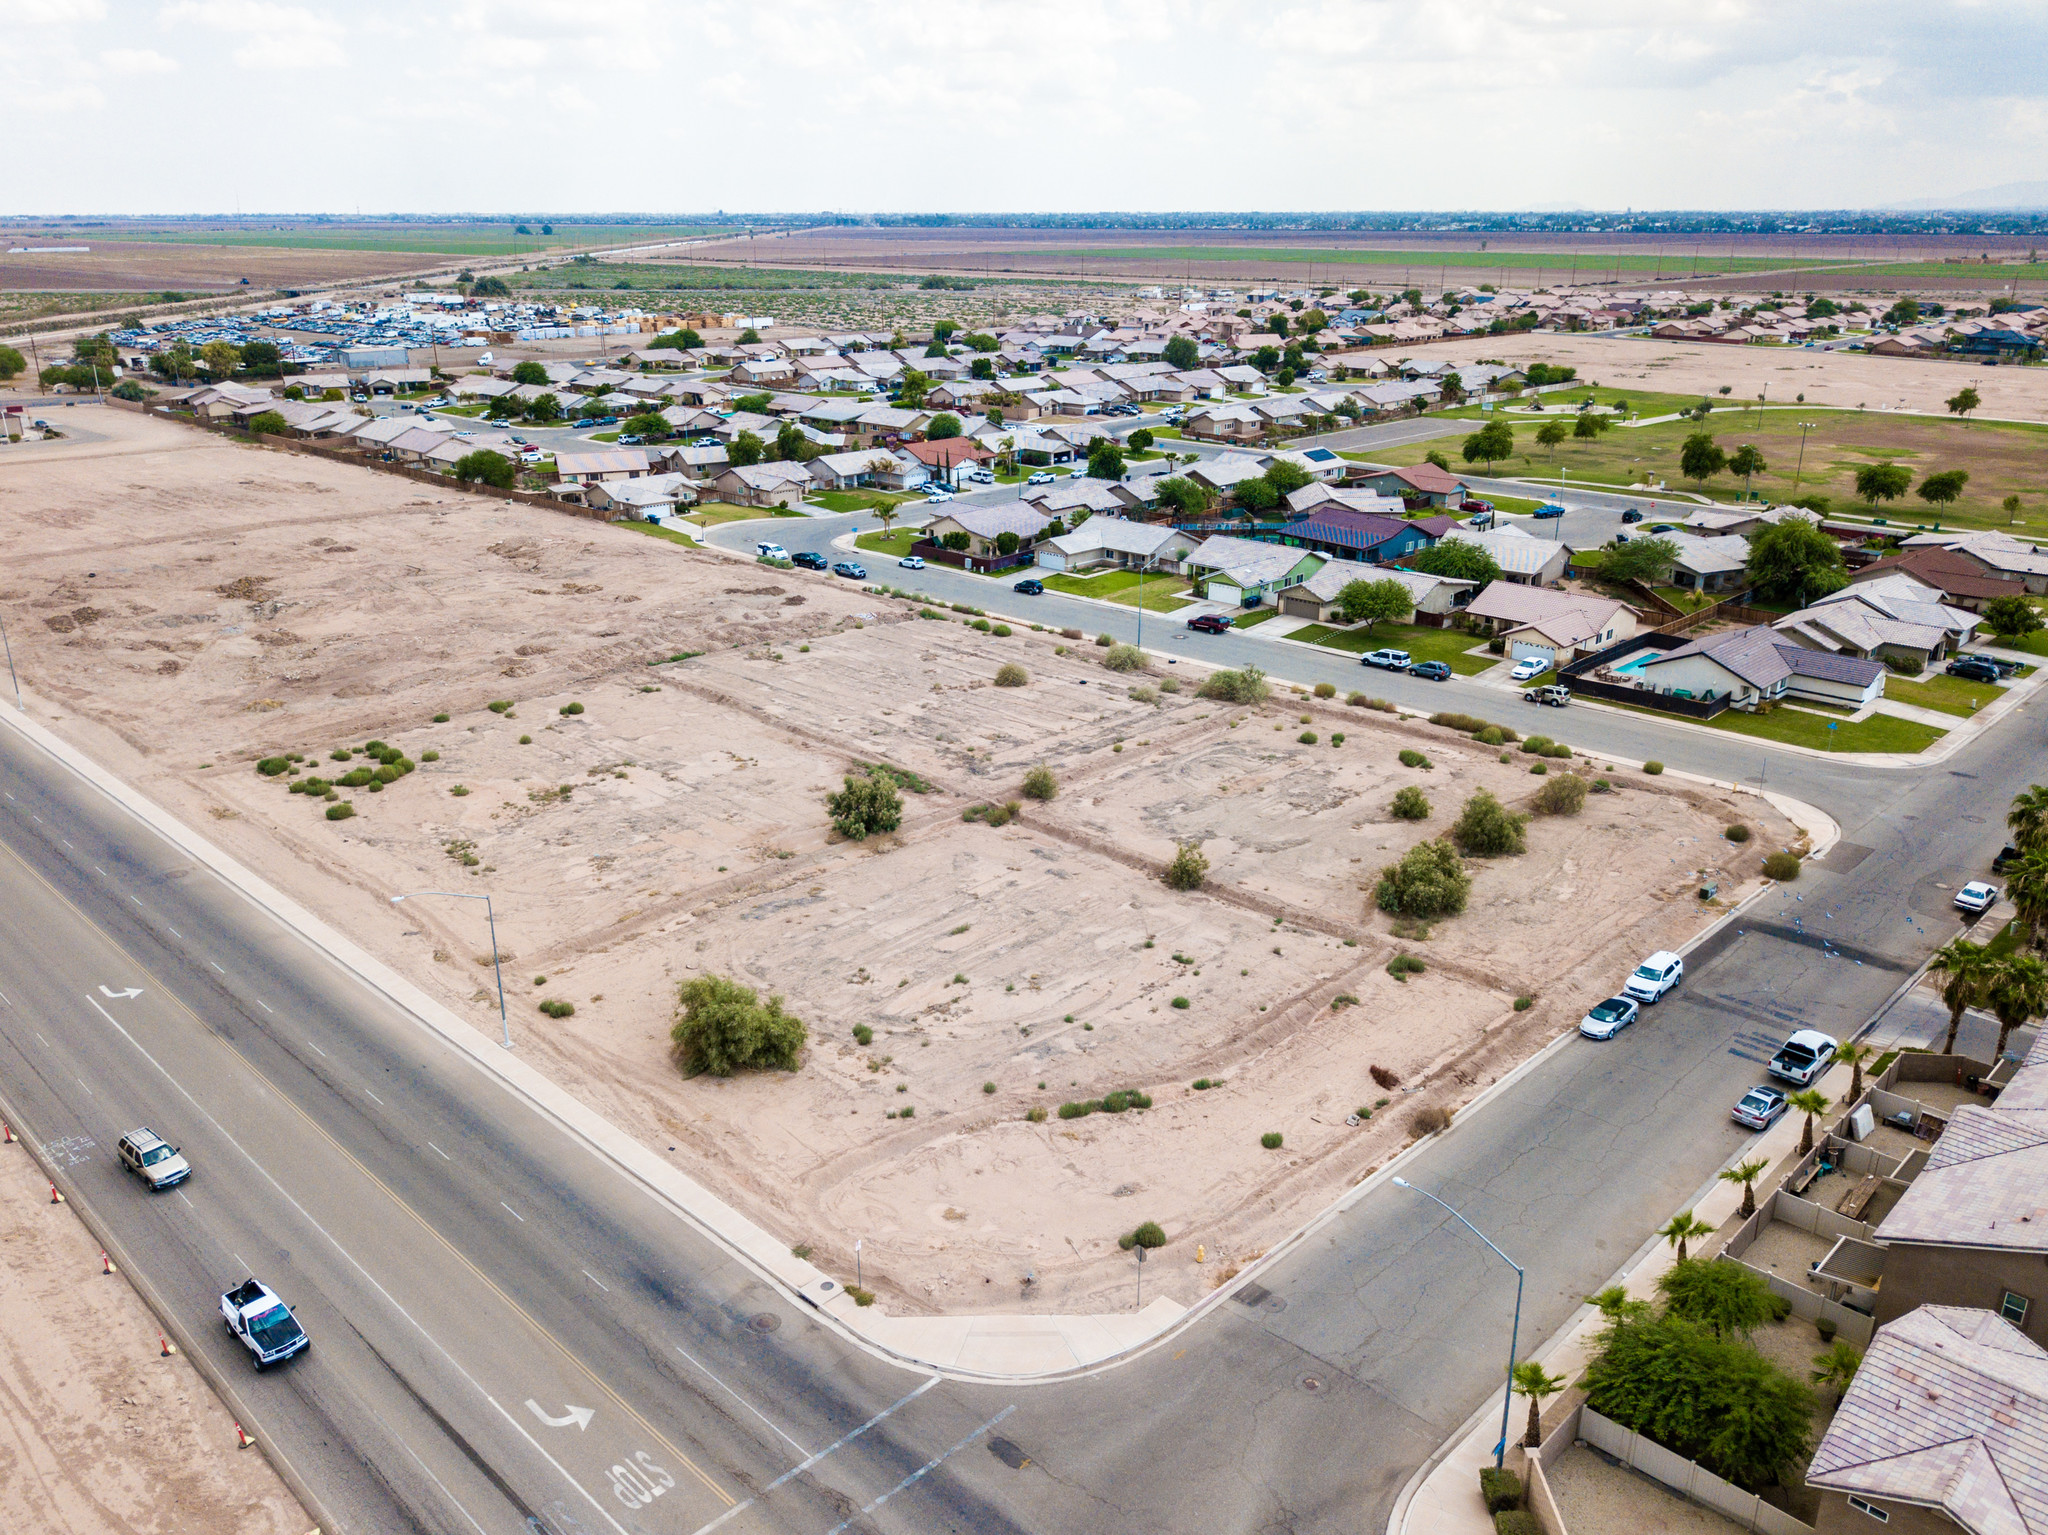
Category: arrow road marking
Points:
column 580, row 1416
column 132, row 991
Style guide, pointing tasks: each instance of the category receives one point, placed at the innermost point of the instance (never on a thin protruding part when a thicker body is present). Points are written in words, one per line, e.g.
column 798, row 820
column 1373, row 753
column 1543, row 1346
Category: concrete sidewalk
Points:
column 1443, row 1497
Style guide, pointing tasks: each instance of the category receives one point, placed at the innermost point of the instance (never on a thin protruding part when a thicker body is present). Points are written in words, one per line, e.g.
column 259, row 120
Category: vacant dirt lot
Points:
column 194, row 606
column 105, row 1437
column 136, row 267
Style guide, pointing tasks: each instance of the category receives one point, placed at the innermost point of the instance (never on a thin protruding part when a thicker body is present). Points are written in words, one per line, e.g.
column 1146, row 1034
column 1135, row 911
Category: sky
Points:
column 517, row 106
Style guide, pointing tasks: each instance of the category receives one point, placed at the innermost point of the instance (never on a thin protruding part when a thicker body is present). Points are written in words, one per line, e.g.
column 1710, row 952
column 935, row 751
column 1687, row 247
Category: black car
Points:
column 1434, row 671
column 1976, row 668
column 1631, row 515
column 810, row 560
column 1030, row 587
column 2007, row 856
column 851, row 571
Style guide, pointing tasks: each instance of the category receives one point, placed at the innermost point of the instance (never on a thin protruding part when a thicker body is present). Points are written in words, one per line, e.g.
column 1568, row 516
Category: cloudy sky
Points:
column 501, row 106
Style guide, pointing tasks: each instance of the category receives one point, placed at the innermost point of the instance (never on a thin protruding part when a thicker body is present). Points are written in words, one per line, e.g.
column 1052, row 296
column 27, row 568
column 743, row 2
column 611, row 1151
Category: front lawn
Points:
column 1255, row 616
column 1162, row 594
column 711, row 513
column 2035, row 644
column 856, row 500
column 1795, row 727
column 1951, row 695
column 1446, row 645
column 894, row 544
column 1104, row 584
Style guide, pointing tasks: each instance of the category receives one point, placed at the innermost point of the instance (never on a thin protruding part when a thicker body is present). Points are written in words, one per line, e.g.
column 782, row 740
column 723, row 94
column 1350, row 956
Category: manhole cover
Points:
column 1311, row 1383
column 764, row 1321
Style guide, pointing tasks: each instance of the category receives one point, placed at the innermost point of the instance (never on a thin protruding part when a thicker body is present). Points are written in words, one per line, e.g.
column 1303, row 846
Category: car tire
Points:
column 257, row 1362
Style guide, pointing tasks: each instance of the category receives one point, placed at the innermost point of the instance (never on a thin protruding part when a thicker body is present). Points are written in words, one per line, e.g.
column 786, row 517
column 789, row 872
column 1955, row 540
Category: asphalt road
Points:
column 454, row 1254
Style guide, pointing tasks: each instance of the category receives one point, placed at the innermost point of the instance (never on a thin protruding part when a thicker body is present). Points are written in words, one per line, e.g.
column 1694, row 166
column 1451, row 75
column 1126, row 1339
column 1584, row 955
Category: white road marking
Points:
column 596, row 1281
column 480, row 1530
column 217, row 967
column 81, row 1082
column 3, row 998
column 514, row 1213
column 39, row 1037
column 177, row 935
column 317, row 1050
column 102, row 873
column 847, row 1439
column 923, row 1469
column 373, row 1098
column 241, row 1262
column 265, row 1005
column 65, row 840
column 136, row 899
column 444, row 1155
column 523, row 1434
column 187, row 1198
column 750, row 1407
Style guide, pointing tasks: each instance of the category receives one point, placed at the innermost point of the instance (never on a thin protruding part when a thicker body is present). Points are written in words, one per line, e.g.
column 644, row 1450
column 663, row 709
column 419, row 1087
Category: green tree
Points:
column 1183, row 496
column 1747, row 462
column 1943, row 488
column 944, row 427
column 1699, row 458
column 1492, row 442
column 1536, row 1383
column 1266, row 358
column 2017, row 993
column 493, row 469
column 268, row 423
column 1808, row 1101
column 1105, row 459
column 1255, row 495
column 1452, row 390
column 1589, row 426
column 1371, row 602
column 1836, row 1366
column 220, row 359
column 1141, row 439
column 1746, row 1174
column 262, row 359
column 1485, row 828
column 722, row 1027
column 1682, row 1228
column 2026, row 883
column 792, row 446
column 1905, row 312
column 981, row 367
column 749, row 337
column 2011, row 617
column 1853, row 1055
column 529, row 372
column 1182, row 354
column 684, row 340
column 1793, row 560
column 1965, row 968
column 745, row 448
column 1640, row 559
column 1277, row 322
column 490, row 287
column 944, row 330
column 1457, row 559
column 1188, row 868
column 646, row 424
column 547, row 407
column 1963, row 401
column 2027, row 819
column 1550, row 434
column 1882, row 482
column 1429, row 881
column 868, row 804
column 912, row 388
column 1725, row 1298
column 1433, row 456
column 11, row 362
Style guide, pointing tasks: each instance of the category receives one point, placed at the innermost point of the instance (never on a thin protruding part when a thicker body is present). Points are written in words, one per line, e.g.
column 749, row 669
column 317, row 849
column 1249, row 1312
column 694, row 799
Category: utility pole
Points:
column 1804, row 428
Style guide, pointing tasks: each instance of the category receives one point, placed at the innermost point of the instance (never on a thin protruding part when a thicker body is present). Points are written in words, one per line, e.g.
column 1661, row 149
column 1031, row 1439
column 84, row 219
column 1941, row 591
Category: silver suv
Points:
column 152, row 1159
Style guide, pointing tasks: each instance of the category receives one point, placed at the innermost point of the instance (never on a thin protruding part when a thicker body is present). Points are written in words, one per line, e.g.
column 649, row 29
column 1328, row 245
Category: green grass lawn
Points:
column 711, row 513
column 1951, row 695
column 857, row 500
column 1255, row 616
column 1162, row 594
column 1795, row 727
column 611, row 436
column 1447, row 645
column 669, row 534
column 2035, row 644
column 895, row 544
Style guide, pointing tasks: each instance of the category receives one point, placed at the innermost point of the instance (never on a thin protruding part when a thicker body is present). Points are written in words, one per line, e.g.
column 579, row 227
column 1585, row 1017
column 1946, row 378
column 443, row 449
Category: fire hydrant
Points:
column 1201, row 1253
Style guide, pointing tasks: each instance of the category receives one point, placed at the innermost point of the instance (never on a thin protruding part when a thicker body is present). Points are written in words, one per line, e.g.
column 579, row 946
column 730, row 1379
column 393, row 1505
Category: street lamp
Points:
column 1804, row 428
column 489, row 916
column 1514, row 1335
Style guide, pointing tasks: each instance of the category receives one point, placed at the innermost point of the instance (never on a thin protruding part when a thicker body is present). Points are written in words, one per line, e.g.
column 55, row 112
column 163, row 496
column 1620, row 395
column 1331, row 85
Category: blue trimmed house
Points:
column 1343, row 534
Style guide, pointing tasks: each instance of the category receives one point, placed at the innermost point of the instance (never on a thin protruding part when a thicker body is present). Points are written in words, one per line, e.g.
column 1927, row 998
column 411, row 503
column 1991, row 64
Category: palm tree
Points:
column 1682, row 1228
column 1967, row 965
column 2026, row 882
column 1746, row 1174
column 885, row 513
column 1854, row 1056
column 2028, row 818
column 2017, row 993
column 1837, row 1367
column 1615, row 1304
column 1534, row 1382
column 1809, row 1102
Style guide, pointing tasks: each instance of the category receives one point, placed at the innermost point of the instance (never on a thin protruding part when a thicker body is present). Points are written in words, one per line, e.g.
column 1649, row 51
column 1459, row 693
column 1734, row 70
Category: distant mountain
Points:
column 2011, row 196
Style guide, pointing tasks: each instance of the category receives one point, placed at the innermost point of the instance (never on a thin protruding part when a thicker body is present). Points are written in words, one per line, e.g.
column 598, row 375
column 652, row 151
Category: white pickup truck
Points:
column 264, row 1323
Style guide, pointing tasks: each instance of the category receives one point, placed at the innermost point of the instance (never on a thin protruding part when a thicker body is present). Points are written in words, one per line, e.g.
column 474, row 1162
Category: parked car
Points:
column 851, row 571
column 1655, row 976
column 911, row 562
column 981, row 477
column 1759, row 1108
column 1803, row 1057
column 1078, row 472
column 1528, row 667
column 1631, row 515
column 630, row 439
column 937, row 495
column 152, row 1159
column 1210, row 623
column 1556, row 694
column 1976, row 896
column 1548, row 509
column 1607, row 1019
column 768, row 551
column 264, row 1323
column 1030, row 586
column 1475, row 505
column 1388, row 659
column 1431, row 671
column 1040, row 478
column 2007, row 856
column 809, row 559
column 1663, row 527
column 1976, row 668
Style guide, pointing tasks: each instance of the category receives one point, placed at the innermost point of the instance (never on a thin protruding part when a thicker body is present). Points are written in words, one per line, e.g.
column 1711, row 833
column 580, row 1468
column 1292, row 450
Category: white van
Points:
column 771, row 551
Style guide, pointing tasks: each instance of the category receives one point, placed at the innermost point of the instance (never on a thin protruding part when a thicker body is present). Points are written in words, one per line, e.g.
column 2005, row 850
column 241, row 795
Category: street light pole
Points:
column 497, row 966
column 4, row 641
column 1514, row 1335
column 1804, row 428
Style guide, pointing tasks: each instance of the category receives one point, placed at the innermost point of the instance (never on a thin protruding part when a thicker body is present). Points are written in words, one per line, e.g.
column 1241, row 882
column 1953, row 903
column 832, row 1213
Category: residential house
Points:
column 1113, row 541
column 215, row 401
column 697, row 463
column 1436, row 598
column 779, row 484
column 1085, row 496
column 1244, row 571
column 1521, row 558
column 1960, row 581
column 947, row 458
column 1225, row 423
column 1313, row 497
column 1417, row 483
column 1337, row 531
column 850, row 471
column 984, row 525
column 642, row 497
column 1759, row 665
column 600, row 464
column 1718, row 564
column 1220, row 474
column 1943, row 1428
column 1996, row 554
column 1894, row 617
column 1553, row 626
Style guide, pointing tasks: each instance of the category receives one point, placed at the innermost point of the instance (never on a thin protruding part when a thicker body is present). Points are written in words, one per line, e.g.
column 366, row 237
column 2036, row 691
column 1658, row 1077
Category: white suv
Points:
column 1655, row 976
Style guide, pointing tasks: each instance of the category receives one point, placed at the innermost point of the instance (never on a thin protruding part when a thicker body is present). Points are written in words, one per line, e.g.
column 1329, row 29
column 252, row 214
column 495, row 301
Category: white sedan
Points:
column 1527, row 668
column 1976, row 896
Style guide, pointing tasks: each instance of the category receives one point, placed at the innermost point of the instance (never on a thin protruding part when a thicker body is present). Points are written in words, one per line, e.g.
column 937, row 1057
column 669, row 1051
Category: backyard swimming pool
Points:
column 1635, row 663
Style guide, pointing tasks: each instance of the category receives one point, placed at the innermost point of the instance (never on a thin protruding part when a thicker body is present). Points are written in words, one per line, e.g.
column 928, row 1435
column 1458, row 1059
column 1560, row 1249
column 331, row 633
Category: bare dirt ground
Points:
column 192, row 606
column 104, row 1436
column 136, row 267
column 1838, row 380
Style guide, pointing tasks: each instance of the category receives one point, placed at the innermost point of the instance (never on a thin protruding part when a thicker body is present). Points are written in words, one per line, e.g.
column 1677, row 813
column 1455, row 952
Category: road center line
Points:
column 836, row 1444
column 596, row 1281
column 444, row 1155
column 923, row 1469
column 513, row 1213
column 750, row 1407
